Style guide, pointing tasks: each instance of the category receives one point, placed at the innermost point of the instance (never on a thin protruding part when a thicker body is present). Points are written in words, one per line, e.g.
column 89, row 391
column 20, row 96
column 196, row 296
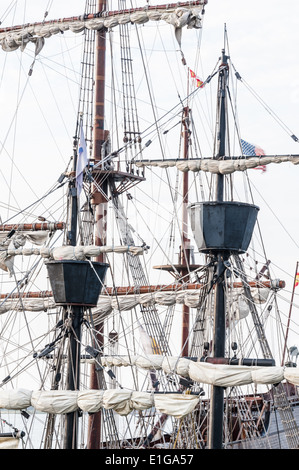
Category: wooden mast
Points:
column 99, row 201
column 185, row 248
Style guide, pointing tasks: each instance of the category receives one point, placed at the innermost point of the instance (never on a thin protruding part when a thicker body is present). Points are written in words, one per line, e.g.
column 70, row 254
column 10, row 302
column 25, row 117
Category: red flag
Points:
column 260, row 167
column 297, row 280
column 199, row 83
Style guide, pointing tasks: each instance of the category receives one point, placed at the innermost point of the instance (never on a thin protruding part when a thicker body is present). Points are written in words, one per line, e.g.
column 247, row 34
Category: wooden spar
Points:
column 106, row 14
column 179, row 287
column 28, row 295
column 33, row 227
column 131, row 290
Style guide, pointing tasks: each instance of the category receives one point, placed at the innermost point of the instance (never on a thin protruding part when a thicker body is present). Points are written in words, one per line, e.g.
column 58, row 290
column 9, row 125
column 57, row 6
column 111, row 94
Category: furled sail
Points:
column 79, row 252
column 15, row 242
column 223, row 167
column 125, row 401
column 19, row 238
column 122, row 401
column 29, row 305
column 107, row 303
column 221, row 375
column 15, row 236
column 188, row 14
column 189, row 295
column 192, row 299
column 9, row 443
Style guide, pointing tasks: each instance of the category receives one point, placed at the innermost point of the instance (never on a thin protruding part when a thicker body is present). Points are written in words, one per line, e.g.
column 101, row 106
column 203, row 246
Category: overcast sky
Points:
column 263, row 40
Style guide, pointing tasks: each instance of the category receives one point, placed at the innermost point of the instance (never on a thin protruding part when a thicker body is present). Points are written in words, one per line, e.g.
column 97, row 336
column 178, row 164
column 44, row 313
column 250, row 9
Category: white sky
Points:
column 264, row 38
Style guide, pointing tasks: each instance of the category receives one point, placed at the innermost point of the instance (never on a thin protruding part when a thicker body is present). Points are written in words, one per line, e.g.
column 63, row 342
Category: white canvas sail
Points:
column 224, row 167
column 188, row 15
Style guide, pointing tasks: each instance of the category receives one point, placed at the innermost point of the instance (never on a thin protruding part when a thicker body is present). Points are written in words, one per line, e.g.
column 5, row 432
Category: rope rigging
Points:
column 266, row 107
column 119, row 329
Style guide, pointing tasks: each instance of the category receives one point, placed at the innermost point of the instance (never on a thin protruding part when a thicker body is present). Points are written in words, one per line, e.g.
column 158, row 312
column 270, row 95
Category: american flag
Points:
column 251, row 150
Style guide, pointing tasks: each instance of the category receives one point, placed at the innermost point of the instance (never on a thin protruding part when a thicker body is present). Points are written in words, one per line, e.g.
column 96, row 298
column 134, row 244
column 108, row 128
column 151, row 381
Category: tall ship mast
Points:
column 138, row 318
